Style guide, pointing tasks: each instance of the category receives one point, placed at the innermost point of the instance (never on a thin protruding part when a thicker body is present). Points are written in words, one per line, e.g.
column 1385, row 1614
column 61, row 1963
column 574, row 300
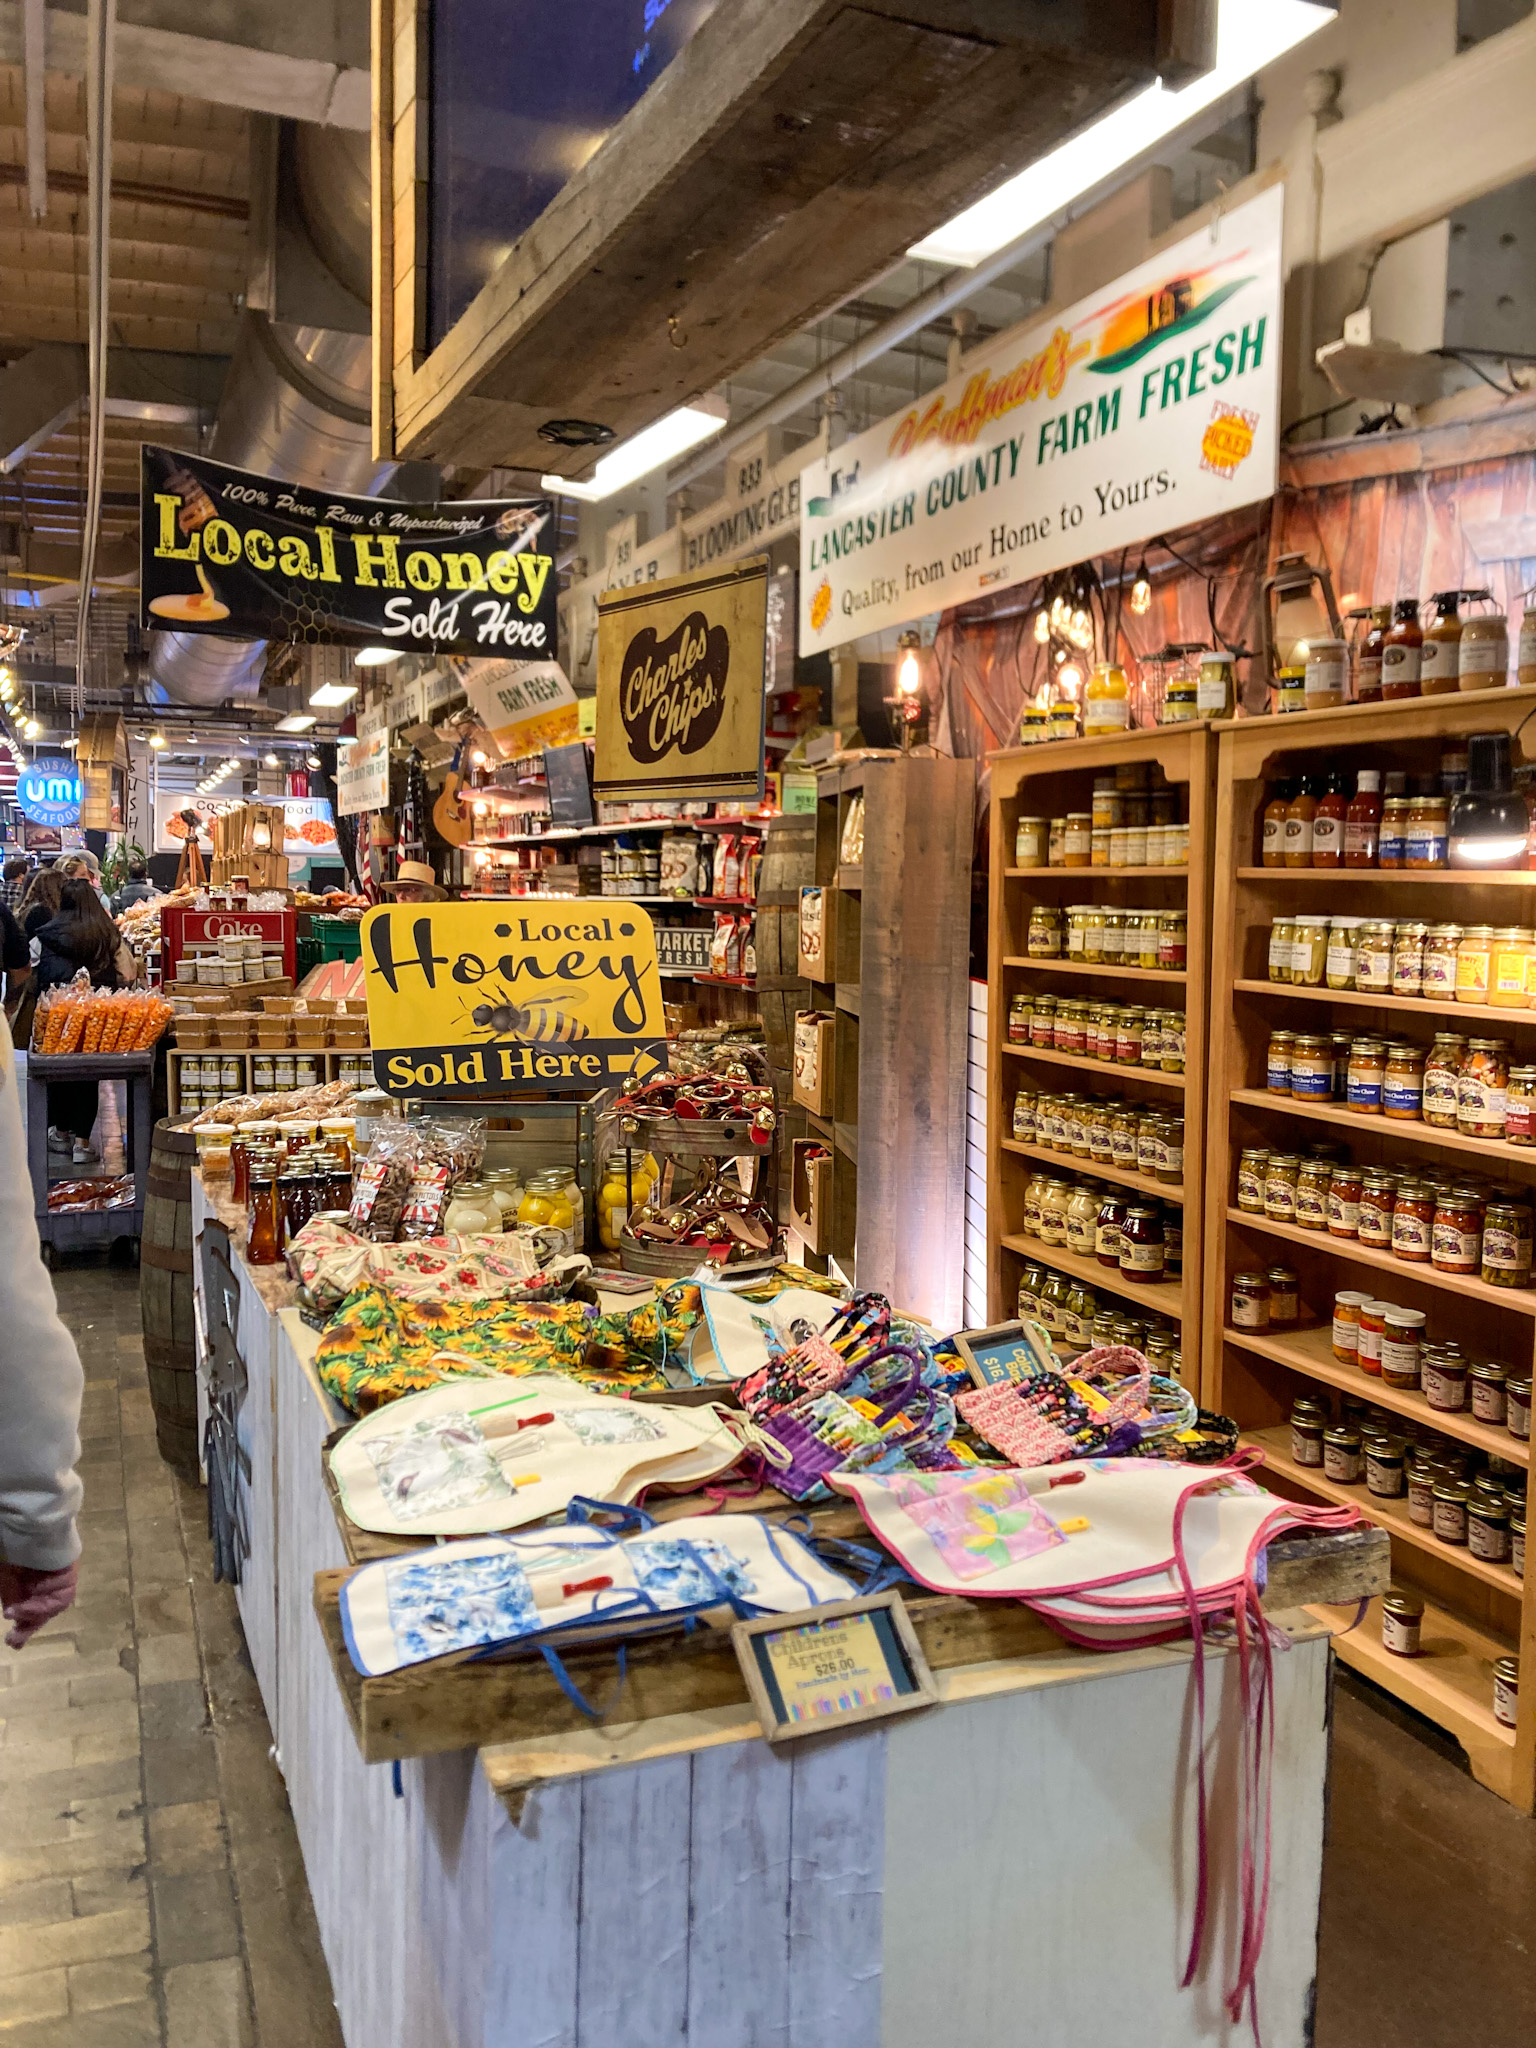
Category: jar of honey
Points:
column 1510, row 966
column 1483, row 662
column 1474, row 959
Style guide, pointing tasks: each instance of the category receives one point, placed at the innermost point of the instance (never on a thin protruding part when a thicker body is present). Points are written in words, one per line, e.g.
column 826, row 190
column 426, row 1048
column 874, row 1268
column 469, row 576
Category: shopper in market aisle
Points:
column 415, row 883
column 40, row 1389
column 137, row 889
column 13, row 880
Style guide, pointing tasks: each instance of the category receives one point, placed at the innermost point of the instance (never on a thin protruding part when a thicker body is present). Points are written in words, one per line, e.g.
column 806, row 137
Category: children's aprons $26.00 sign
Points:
column 485, row 999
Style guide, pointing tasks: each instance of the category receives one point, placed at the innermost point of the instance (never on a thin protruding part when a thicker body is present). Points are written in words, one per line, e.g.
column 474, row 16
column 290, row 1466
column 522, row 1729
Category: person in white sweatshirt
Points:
column 40, row 1388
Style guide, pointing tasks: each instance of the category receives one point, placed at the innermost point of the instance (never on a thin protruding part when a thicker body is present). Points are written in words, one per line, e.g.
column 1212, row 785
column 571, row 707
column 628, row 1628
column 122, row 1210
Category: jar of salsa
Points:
column 1344, row 1201
column 1402, row 1087
column 1142, row 1244
column 1378, row 1199
column 1481, row 1089
column 1456, row 1236
column 1413, row 1219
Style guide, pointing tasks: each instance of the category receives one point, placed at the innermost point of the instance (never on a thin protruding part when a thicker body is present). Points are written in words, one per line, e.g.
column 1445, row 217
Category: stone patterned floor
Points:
column 151, row 1891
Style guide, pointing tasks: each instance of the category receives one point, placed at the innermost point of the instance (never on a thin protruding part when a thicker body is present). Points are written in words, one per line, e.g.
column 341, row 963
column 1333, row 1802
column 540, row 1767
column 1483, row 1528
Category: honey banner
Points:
column 250, row 557
column 486, row 999
column 1151, row 404
column 680, row 700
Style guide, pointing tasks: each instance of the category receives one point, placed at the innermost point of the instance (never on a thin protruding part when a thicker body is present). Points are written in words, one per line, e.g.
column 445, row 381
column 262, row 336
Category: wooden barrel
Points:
column 165, row 1294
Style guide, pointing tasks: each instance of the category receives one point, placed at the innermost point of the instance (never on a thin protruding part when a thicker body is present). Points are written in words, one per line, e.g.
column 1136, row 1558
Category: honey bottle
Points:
column 1401, row 651
column 1440, row 655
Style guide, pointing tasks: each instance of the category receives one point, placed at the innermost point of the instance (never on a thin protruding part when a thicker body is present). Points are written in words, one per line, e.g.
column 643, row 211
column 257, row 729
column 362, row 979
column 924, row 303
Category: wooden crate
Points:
column 1047, row 781
column 1475, row 1610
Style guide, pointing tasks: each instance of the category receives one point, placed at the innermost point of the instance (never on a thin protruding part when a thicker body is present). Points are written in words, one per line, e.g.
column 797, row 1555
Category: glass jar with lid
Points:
column 1128, row 1035
column 1100, row 1142
column 1413, row 1219
column 1031, row 842
column 1474, row 960
column 472, row 1210
column 1442, row 1074
column 1309, row 952
column 1507, row 1249
column 1313, row 1179
column 1054, row 1197
column 1169, row 1155
column 1042, row 1021
column 1343, row 1456
column 1280, row 1187
column 1456, row 1237
column 1082, row 1219
column 1071, row 1025
column 1520, row 1107
column 1085, row 932
column 1171, row 1058
column 1440, row 944
column 1309, row 1419
column 1408, row 958
column 1343, row 949
column 1122, row 1133
column 1024, row 1100
column 1142, row 1244
column 1077, row 1316
column 1252, row 1169
column 1079, row 1113
column 1392, row 850
column 1284, row 1297
column 1483, row 655
column 1172, row 939
column 1277, row 1061
column 1077, row 840
column 1056, row 843
column 1034, row 1191
column 1045, row 932
column 1373, row 959
column 1402, row 1086
column 1143, row 952
column 1051, row 1301
column 1250, row 1301
column 1019, row 1012
column 1378, row 1199
column 1365, row 1076
column 1311, row 1067
column 1485, row 1388
column 1426, row 842
column 1509, row 967
column 1108, row 1226
column 1153, row 1025
column 1344, row 1201
column 1108, row 804
column 1481, row 1089
column 1282, row 944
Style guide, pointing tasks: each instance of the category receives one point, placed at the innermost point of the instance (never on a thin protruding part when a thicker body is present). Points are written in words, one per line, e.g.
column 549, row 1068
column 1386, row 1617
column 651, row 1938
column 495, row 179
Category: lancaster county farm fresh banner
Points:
column 1151, row 404
column 253, row 558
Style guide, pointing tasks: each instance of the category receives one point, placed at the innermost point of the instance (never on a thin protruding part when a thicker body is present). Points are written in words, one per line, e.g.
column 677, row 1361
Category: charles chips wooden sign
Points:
column 680, row 685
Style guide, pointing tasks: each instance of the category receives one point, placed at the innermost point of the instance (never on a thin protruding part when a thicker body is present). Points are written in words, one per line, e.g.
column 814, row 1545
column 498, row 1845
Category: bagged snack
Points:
column 728, row 867
column 379, row 1189
column 720, row 945
column 679, row 874
column 748, row 946
column 426, row 1199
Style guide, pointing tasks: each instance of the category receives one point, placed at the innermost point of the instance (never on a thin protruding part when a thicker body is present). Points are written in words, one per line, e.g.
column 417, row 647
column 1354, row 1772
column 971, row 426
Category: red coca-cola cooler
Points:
column 182, row 928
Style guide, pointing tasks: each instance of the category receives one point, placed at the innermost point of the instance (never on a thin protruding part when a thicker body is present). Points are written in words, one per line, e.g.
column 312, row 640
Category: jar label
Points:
column 1488, row 1403
column 1484, row 654
column 1407, row 970
column 1399, row 665
column 1505, row 1252
column 1075, row 939
column 1343, row 1216
column 1250, row 1189
column 1327, row 836
column 1363, row 1090
column 1437, row 658
column 1361, row 838
column 1342, row 1467
column 1375, row 1223
column 1453, row 1249
column 1399, row 1354
column 1478, row 1102
column 1410, row 1234
column 1249, row 1311
column 1140, row 1258
column 1450, row 1521
column 1373, row 967
column 1106, row 714
column 1107, row 1240
column 1311, row 1208
column 1341, row 962
column 1123, row 1148
column 1402, row 1095
column 1439, row 967
column 1023, row 1120
column 1487, row 1540
column 1281, row 952
column 1080, row 1236
column 1314, row 1082
column 1211, row 693
column 1298, row 840
column 1440, row 1093
column 1425, row 847
column 1305, row 1449
column 1400, row 1637
column 1384, row 1478
column 1471, row 973
column 1346, row 1337
column 1279, row 1202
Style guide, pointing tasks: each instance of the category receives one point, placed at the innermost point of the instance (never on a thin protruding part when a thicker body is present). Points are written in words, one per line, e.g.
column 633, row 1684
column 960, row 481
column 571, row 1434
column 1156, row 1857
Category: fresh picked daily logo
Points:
column 672, row 691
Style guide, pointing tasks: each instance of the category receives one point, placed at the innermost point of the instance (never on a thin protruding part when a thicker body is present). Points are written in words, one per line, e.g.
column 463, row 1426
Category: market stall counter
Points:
column 490, row 1865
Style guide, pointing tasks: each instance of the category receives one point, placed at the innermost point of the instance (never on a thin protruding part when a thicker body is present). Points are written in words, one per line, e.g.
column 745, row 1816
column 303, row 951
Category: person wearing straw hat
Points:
column 415, row 883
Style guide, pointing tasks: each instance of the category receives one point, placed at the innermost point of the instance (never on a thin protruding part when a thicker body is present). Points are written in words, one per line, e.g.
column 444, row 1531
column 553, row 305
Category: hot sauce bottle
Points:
column 1368, row 666
column 1362, row 821
column 1272, row 854
column 1401, row 651
column 1328, row 821
column 1298, row 823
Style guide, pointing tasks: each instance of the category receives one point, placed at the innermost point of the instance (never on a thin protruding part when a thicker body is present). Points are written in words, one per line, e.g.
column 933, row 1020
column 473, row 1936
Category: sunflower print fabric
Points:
column 379, row 1346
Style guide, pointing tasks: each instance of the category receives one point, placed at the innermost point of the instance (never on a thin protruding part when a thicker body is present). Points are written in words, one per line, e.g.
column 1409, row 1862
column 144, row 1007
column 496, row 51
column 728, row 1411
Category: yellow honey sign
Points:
column 486, row 999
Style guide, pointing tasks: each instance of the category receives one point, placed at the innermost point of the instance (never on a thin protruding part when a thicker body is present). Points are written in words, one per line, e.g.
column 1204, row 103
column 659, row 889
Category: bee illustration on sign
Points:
column 536, row 1023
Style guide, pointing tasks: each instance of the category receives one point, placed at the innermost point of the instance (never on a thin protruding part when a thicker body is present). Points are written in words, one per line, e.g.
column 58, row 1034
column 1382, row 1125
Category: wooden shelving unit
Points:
column 1048, row 781
column 1475, row 1610
column 897, row 987
column 327, row 1064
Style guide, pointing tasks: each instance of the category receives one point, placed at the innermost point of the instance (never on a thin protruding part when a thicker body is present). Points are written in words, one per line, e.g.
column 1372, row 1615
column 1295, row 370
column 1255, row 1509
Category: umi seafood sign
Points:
column 680, row 685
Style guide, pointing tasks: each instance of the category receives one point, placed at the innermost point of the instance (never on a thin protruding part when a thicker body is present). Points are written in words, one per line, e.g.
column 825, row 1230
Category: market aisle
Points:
column 151, row 1892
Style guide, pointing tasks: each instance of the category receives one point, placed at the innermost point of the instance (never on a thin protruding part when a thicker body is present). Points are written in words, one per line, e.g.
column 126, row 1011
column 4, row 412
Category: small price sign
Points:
column 855, row 1660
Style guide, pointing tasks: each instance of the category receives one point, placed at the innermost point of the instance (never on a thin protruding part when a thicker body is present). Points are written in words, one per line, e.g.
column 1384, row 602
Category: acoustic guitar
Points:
column 450, row 817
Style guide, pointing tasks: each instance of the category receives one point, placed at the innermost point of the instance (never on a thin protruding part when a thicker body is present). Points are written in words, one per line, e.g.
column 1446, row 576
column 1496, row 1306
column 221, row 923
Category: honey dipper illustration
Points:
column 200, row 607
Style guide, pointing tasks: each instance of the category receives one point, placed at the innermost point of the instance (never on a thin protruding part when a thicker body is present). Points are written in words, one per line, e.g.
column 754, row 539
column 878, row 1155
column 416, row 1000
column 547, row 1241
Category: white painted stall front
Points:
column 1018, row 1862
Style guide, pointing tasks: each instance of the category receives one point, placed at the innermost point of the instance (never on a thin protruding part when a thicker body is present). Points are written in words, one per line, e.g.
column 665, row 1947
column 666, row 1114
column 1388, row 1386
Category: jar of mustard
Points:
column 1045, row 932
column 1474, row 957
column 1408, row 958
column 1440, row 944
column 1442, row 1073
column 1282, row 944
column 1172, row 1057
column 1042, row 1022
column 1343, row 950
column 1252, row 1168
column 1309, row 952
column 1520, row 1107
column 1402, row 1085
column 1481, row 1089
column 1030, row 842
column 1277, row 1062
column 1373, row 960
column 1365, row 1076
column 1510, row 967
column 1280, row 1187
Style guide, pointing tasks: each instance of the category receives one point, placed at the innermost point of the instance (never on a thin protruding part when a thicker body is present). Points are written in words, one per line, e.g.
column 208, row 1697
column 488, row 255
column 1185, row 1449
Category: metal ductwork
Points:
column 296, row 404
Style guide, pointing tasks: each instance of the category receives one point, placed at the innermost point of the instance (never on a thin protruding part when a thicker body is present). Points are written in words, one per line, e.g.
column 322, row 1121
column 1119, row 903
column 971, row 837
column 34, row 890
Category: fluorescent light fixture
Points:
column 333, row 693
column 661, row 442
column 376, row 657
column 296, row 721
column 1247, row 38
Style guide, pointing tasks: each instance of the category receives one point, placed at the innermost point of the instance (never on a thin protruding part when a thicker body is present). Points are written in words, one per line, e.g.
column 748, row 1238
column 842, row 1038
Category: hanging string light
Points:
column 1141, row 590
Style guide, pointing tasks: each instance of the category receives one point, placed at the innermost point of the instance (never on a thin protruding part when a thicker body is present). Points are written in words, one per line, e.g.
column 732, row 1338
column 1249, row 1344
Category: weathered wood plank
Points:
column 632, row 1964
column 739, row 1897
column 836, row 1906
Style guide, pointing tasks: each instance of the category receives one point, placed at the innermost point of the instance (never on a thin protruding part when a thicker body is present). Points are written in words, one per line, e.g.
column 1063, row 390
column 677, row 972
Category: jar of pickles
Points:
column 1343, row 951
column 1171, row 1054
column 1282, row 940
column 1309, row 952
column 1042, row 1022
column 1520, row 1107
column 1172, row 939
column 1506, row 1245
column 1024, row 1101
column 1044, row 941
column 1373, row 958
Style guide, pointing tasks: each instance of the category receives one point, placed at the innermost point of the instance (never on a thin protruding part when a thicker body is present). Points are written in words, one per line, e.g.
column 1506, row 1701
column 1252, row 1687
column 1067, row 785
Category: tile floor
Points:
column 151, row 1891
column 152, row 1895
